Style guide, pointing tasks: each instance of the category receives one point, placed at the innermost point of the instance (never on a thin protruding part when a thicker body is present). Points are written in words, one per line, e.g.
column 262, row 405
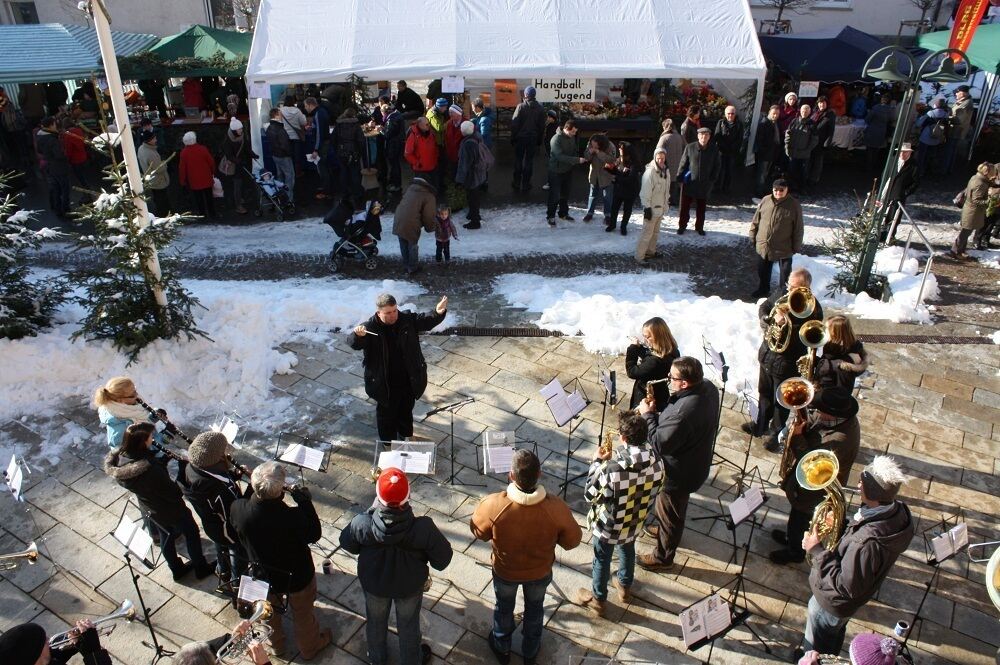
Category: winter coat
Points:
column 598, row 175
column 438, row 121
column 704, row 166
column 689, row 130
column 961, row 119
column 445, row 229
column 825, row 122
column 421, row 150
column 348, row 139
column 484, row 123
column 159, row 497
column 394, row 131
column 642, row 365
column 906, row 181
column 150, row 162
column 879, row 121
column 654, row 191
column 844, row 439
column 683, row 435
column 293, row 121
column 211, row 493
column 376, row 351
column 976, row 198
column 783, row 364
column 470, row 173
column 277, row 536
column 729, row 136
column 394, row 548
column 800, row 139
column 843, row 580
column 777, row 228
column 50, row 149
column 768, row 143
column 197, row 167
column 786, row 116
column 408, row 101
column 628, row 180
column 73, row 146
column 528, row 121
column 563, row 153
column 321, row 126
column 277, row 140
column 621, row 491
column 525, row 528
column 926, row 126
column 674, row 145
column 237, row 150
column 416, row 209
column 452, row 142
column 839, row 367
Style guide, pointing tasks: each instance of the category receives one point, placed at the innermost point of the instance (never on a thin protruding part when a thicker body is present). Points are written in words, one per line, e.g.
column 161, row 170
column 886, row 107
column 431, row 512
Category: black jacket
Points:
column 729, row 136
column 211, row 497
column 905, row 182
column 641, row 365
column 159, row 497
column 528, row 121
column 782, row 365
column 281, row 146
column 394, row 130
column 826, row 122
column 684, row 435
column 839, row 367
column 393, row 549
column 408, row 101
column 768, row 144
column 276, row 537
column 704, row 166
column 376, row 349
column 348, row 138
column 50, row 149
column 628, row 180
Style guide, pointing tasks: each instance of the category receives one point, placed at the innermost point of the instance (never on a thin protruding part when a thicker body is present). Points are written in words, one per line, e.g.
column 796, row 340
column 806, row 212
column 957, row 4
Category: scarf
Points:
column 134, row 412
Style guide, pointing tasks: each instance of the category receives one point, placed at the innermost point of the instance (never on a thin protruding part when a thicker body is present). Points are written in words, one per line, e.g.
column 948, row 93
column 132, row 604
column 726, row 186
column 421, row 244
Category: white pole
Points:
column 102, row 23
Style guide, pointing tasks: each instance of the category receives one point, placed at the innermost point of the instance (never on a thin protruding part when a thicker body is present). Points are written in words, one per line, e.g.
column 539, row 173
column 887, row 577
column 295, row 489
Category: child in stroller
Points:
column 358, row 233
column 274, row 195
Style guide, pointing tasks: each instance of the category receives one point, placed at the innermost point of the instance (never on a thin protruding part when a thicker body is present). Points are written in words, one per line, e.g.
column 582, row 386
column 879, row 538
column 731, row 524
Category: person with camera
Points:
column 27, row 644
column 276, row 537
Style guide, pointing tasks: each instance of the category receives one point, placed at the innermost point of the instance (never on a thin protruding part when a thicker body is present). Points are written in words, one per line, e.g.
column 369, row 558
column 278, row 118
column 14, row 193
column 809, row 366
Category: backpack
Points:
column 939, row 132
column 486, row 158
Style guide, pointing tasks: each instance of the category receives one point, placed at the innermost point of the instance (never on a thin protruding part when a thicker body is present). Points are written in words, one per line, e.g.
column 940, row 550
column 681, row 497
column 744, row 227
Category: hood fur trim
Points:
column 127, row 471
column 515, row 494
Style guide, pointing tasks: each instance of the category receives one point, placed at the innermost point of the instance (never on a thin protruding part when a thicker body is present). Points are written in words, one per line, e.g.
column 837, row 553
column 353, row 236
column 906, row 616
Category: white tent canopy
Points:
column 311, row 41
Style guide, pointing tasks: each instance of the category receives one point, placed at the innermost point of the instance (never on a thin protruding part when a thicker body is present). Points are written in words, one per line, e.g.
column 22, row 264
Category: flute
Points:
column 171, row 429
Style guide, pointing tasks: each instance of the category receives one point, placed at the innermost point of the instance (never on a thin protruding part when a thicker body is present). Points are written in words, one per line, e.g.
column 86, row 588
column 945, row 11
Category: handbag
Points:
column 217, row 191
column 227, row 167
column 959, row 199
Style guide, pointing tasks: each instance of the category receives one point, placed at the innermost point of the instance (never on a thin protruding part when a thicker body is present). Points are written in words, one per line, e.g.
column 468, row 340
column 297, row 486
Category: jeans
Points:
column 601, row 570
column 558, row 194
column 442, row 250
column 762, row 186
column 284, row 170
column 764, row 270
column 503, row 613
column 607, row 196
column 824, row 631
column 407, row 626
column 323, row 168
column 168, row 546
column 619, row 203
column 524, row 160
column 408, row 252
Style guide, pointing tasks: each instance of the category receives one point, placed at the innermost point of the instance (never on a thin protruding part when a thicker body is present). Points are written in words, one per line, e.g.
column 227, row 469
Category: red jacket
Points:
column 73, row 146
column 421, row 152
column 197, row 167
column 452, row 141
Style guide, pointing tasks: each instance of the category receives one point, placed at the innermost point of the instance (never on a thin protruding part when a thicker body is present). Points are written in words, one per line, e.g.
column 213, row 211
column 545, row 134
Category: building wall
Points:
column 876, row 17
column 156, row 17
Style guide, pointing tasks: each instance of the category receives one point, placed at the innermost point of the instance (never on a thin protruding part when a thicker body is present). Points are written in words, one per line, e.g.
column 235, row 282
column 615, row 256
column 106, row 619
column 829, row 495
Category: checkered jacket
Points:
column 621, row 492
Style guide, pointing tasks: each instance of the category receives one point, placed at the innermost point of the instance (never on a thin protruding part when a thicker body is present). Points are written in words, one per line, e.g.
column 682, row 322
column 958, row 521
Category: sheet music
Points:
column 11, row 468
column 552, row 389
column 252, row 590
column 303, row 456
column 228, row 428
column 693, row 625
column 498, row 459
column 744, row 505
column 15, row 480
column 407, row 462
column 951, row 542
column 706, row 618
column 608, row 381
column 141, row 544
column 714, row 358
column 125, row 530
column 717, row 615
column 575, row 402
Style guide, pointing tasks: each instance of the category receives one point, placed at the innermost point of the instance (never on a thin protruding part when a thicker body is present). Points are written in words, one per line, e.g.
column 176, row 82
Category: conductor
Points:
column 395, row 370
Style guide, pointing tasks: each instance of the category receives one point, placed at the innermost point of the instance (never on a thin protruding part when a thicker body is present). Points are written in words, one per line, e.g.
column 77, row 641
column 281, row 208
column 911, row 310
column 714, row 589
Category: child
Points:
column 444, row 233
column 621, row 487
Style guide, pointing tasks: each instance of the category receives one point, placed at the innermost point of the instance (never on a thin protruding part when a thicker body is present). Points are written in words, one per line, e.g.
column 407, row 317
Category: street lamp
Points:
column 938, row 67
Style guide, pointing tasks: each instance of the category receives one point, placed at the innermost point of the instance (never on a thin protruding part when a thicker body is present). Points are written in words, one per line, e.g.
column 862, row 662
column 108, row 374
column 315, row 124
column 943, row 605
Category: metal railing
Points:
column 901, row 212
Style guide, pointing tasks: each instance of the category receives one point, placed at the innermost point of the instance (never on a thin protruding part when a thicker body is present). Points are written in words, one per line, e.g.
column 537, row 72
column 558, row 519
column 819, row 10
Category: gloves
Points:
column 301, row 494
column 88, row 642
column 647, row 213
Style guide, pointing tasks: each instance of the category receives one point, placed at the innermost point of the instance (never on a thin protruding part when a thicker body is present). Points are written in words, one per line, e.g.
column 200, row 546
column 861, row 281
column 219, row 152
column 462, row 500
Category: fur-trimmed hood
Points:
column 122, row 468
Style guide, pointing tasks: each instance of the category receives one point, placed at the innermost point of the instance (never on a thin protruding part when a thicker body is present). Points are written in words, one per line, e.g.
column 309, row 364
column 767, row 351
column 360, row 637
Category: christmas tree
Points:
column 848, row 250
column 26, row 306
column 118, row 288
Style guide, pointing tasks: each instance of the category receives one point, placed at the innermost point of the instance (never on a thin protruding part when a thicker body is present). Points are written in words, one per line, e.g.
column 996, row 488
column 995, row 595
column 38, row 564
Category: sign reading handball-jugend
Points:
column 565, row 90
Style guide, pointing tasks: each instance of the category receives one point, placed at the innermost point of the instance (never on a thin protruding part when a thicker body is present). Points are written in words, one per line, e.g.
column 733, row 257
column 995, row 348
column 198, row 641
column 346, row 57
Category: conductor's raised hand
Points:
column 360, row 331
column 442, row 305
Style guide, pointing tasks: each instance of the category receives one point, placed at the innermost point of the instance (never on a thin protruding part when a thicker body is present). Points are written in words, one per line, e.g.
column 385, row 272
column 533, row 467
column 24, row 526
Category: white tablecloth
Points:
column 849, row 137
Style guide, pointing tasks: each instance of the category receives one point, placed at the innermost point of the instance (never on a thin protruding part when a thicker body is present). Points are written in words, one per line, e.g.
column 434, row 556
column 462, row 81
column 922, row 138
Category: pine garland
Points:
column 26, row 307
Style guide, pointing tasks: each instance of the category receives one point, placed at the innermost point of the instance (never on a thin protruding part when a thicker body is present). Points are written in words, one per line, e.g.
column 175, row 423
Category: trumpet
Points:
column 67, row 638
column 156, row 416
column 800, row 303
column 238, row 646
column 817, row 470
column 9, row 561
column 813, row 335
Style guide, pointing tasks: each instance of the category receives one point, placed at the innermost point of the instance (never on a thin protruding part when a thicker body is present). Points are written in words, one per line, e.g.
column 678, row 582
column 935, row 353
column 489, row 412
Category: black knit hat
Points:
column 22, row 645
column 208, row 448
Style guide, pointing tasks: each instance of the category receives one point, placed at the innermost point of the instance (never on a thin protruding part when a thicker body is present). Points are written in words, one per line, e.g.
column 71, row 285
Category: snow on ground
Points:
column 247, row 323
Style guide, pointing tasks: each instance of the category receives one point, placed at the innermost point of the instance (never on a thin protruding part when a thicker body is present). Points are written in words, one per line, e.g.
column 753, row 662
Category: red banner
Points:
column 967, row 18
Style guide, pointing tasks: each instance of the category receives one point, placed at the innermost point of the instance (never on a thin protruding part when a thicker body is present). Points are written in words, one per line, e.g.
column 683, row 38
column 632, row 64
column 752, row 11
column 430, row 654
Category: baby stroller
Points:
column 358, row 233
column 273, row 196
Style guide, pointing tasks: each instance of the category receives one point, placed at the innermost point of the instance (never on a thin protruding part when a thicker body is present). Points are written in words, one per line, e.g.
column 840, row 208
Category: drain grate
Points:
column 478, row 331
column 923, row 339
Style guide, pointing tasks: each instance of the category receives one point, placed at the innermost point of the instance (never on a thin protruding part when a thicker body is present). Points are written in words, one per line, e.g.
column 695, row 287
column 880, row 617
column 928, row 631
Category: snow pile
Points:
column 989, row 258
column 995, row 337
column 608, row 309
column 246, row 320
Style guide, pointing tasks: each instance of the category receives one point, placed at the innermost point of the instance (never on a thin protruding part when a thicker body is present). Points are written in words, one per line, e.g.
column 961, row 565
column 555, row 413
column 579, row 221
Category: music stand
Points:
column 608, row 381
column 564, row 408
column 744, row 504
column 717, row 361
column 451, row 408
column 138, row 543
column 314, row 458
column 14, row 477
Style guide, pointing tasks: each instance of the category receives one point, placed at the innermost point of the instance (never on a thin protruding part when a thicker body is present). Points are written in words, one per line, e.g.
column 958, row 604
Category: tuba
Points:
column 234, row 650
column 65, row 639
column 817, row 470
column 813, row 335
column 795, row 394
column 9, row 561
column 800, row 303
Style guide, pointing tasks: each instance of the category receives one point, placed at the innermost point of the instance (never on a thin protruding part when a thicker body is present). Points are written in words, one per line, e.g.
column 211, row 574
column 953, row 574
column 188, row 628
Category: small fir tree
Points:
column 26, row 306
column 847, row 250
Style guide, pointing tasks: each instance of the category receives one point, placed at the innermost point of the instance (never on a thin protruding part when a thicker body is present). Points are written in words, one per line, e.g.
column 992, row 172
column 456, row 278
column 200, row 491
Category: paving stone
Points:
column 973, row 410
column 486, row 392
column 947, row 386
column 18, row 606
column 99, row 488
column 981, row 445
column 467, row 366
column 25, row 576
column 986, row 397
column 180, row 623
column 309, row 366
column 476, row 348
column 919, row 426
column 985, row 381
column 72, row 551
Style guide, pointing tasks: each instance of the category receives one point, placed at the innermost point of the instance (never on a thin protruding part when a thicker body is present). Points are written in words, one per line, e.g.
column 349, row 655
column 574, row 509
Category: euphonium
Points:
column 238, row 646
column 813, row 335
column 800, row 303
column 64, row 639
column 9, row 561
column 817, row 470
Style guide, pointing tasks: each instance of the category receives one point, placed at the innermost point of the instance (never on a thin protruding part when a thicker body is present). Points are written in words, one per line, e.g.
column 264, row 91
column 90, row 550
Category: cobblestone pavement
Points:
column 935, row 407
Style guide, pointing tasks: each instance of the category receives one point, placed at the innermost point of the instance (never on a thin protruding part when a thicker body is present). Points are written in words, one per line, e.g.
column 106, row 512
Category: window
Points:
column 23, row 12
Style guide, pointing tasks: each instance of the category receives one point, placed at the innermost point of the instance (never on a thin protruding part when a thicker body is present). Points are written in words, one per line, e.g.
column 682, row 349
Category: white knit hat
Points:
column 235, row 125
column 189, row 138
column 468, row 129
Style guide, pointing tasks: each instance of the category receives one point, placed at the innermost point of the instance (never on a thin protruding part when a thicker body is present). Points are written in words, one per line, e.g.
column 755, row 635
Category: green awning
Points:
column 198, row 51
column 983, row 52
column 203, row 42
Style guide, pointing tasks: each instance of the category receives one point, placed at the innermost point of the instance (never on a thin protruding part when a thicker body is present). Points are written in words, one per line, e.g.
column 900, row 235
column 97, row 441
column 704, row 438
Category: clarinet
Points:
column 171, row 429
column 240, row 470
column 169, row 453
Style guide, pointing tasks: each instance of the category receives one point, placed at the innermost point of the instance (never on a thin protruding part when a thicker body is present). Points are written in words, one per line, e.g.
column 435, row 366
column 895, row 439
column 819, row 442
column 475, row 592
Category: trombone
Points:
column 67, row 638
column 10, row 561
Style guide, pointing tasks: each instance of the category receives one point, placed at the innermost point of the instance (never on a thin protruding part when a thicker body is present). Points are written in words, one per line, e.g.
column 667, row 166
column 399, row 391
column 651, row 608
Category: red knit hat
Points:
column 392, row 488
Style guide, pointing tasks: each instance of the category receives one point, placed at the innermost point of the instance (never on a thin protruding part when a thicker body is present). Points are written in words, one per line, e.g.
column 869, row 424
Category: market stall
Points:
column 557, row 42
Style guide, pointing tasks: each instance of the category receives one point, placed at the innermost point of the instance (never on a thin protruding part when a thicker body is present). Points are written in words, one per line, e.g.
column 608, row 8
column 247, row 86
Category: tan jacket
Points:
column 777, row 228
column 417, row 209
column 976, row 198
column 525, row 529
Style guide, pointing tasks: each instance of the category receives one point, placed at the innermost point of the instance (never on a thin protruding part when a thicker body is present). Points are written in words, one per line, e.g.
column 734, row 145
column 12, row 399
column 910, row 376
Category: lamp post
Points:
column 943, row 71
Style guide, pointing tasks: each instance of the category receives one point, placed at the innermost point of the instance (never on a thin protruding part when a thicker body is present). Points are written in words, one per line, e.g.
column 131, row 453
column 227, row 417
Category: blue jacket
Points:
column 926, row 124
column 116, row 428
column 321, row 125
column 484, row 121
